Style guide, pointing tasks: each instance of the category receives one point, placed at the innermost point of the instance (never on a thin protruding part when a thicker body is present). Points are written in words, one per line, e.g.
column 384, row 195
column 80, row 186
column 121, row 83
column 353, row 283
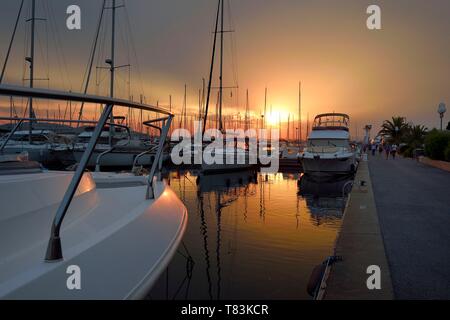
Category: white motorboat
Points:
column 328, row 150
column 77, row 235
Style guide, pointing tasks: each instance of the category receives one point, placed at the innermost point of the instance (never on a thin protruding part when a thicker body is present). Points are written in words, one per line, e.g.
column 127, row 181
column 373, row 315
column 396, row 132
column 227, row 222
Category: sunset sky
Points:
column 403, row 69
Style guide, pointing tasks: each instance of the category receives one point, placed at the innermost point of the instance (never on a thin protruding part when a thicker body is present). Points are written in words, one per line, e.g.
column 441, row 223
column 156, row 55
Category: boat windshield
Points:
column 341, row 143
column 331, row 120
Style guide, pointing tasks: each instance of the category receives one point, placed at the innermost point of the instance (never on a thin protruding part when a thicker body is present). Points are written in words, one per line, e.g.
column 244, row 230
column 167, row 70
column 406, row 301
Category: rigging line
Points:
column 88, row 71
column 101, row 54
column 11, row 41
column 60, row 61
column 233, row 53
column 41, row 52
column 125, row 43
column 133, row 46
column 58, row 46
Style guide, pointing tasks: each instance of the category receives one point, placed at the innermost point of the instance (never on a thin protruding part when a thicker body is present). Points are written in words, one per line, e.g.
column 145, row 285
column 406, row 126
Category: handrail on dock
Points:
column 54, row 248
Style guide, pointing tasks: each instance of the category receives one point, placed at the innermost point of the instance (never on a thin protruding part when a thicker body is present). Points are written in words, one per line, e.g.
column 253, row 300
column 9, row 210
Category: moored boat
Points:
column 77, row 235
column 328, row 151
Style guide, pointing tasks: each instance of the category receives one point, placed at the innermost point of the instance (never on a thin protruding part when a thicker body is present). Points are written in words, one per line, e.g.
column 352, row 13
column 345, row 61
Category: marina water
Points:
column 250, row 236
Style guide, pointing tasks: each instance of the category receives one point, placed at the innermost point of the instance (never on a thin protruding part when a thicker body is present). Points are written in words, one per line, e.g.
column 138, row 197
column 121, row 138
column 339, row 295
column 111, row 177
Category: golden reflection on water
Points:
column 250, row 236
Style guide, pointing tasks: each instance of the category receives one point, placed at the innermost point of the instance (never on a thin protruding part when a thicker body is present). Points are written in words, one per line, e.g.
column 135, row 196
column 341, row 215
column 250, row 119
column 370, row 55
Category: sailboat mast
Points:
column 211, row 69
column 247, row 111
column 112, row 64
column 299, row 114
column 91, row 62
column 265, row 108
column 31, row 61
column 221, row 68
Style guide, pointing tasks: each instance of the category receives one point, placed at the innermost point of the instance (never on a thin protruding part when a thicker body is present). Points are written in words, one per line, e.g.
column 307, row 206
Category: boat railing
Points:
column 113, row 147
column 331, row 120
column 326, row 149
column 140, row 155
column 54, row 248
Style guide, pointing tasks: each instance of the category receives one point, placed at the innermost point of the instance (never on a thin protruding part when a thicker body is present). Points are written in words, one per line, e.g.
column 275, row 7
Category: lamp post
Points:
column 441, row 110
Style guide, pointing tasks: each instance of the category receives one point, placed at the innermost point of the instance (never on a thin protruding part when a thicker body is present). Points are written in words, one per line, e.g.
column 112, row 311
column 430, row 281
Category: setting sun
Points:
column 276, row 116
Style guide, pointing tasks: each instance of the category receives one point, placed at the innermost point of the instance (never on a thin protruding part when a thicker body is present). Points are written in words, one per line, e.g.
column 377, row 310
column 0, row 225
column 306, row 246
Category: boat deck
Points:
column 97, row 235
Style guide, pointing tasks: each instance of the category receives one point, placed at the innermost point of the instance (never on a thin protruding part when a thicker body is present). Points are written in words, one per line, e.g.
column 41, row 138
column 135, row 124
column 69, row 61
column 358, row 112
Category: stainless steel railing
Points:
column 54, row 249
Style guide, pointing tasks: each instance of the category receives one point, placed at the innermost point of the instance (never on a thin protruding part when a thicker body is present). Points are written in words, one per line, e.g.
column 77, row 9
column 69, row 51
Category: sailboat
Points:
column 238, row 151
column 36, row 142
column 82, row 235
column 117, row 146
column 290, row 152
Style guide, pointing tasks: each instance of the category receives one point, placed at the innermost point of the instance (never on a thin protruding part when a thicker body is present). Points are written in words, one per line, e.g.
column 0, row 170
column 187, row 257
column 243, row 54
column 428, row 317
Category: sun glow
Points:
column 276, row 116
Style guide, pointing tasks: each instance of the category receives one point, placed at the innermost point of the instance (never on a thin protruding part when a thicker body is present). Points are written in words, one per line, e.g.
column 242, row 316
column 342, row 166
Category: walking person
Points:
column 387, row 150
column 373, row 148
column 380, row 149
column 393, row 150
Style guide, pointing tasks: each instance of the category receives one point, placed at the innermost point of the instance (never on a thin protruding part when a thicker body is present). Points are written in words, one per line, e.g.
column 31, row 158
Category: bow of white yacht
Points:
column 77, row 235
column 120, row 241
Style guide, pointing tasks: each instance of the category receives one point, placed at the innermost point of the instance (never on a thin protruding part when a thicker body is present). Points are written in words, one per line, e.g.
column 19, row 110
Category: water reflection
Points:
column 325, row 200
column 250, row 236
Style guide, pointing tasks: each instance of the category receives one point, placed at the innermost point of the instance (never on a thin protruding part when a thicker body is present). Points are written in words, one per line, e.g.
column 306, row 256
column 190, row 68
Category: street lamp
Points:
column 441, row 110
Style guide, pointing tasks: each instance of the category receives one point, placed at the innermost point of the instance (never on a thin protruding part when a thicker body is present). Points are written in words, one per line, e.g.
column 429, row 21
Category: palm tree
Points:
column 416, row 135
column 394, row 130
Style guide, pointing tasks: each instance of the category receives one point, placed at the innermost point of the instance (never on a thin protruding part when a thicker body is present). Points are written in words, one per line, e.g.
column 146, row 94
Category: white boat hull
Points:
column 120, row 241
column 240, row 161
column 222, row 168
column 321, row 166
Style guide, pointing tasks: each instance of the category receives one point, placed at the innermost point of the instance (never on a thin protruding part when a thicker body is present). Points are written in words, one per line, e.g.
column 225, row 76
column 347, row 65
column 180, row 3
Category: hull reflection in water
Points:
column 249, row 236
column 325, row 200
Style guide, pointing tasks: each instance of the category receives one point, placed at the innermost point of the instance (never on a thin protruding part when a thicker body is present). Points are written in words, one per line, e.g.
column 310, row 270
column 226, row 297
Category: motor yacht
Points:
column 328, row 151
